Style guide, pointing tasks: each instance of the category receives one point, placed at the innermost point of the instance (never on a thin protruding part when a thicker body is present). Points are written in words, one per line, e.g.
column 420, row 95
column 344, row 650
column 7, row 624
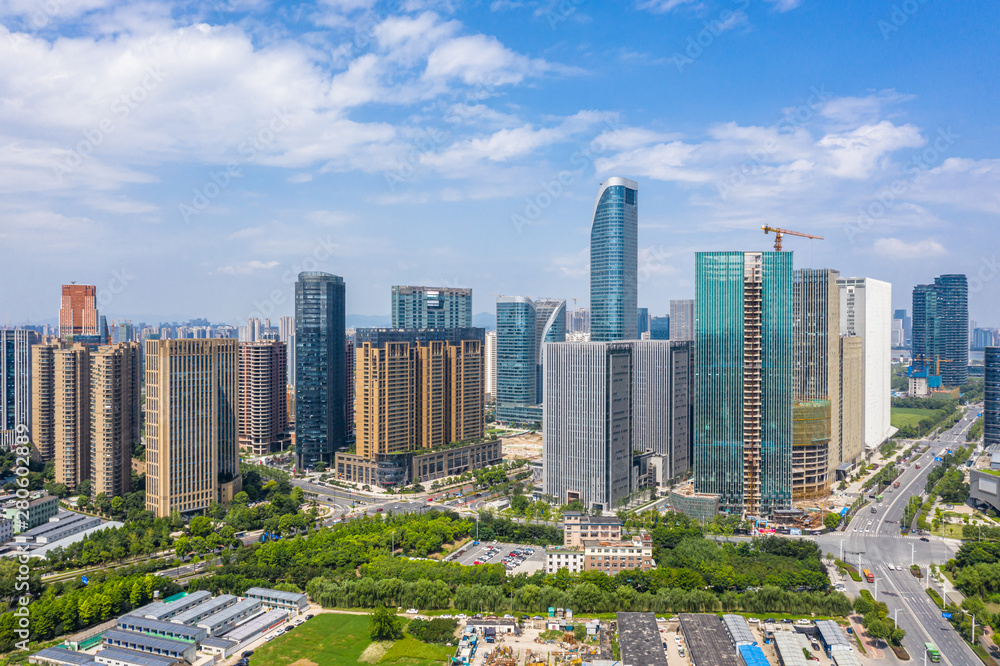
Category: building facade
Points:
column 115, row 416
column 431, row 307
column 60, row 410
column 15, row 382
column 612, row 557
column 991, row 400
column 743, row 380
column 663, row 402
column 320, row 369
column 940, row 333
column 523, row 328
column 851, row 416
column 192, row 424
column 78, row 311
column 395, row 469
column 263, row 397
column 682, row 319
column 490, row 366
column 577, row 527
column 614, row 262
column 865, row 312
column 557, row 557
column 659, row 328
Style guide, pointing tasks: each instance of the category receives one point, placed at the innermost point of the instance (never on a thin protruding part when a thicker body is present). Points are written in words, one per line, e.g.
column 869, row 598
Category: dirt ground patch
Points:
column 304, row 662
column 374, row 652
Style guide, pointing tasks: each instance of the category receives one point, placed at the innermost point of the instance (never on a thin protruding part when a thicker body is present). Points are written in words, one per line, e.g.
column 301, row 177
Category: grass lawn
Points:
column 333, row 638
column 904, row 416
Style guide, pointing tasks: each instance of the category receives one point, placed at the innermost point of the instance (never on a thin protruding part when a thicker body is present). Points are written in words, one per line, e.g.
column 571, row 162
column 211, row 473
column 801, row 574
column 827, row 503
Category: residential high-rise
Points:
column 431, row 307
column 418, row 389
column 78, row 311
column 682, row 319
column 115, row 416
column 286, row 329
column 940, row 334
column 60, row 409
column 263, row 397
column 614, row 261
column 743, row 380
column 320, row 372
column 580, row 321
column 491, row 366
column 523, row 328
column 907, row 325
column 642, row 322
column 15, row 382
column 816, row 381
column 350, row 369
column 991, row 401
column 851, row 419
column 192, row 424
column 865, row 312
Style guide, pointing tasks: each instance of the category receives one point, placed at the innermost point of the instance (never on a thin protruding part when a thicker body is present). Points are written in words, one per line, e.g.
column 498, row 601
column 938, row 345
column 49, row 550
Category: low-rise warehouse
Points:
column 219, row 623
column 160, row 610
column 161, row 629
column 161, row 647
column 220, row 646
column 249, row 631
column 502, row 626
column 296, row 602
column 708, row 640
column 831, row 635
column 791, row 648
column 752, row 655
column 844, row 656
column 197, row 613
column 738, row 630
column 639, row 640
column 123, row 657
column 58, row 656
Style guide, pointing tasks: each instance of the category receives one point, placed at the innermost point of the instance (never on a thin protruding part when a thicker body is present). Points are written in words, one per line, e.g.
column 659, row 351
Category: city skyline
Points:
column 369, row 137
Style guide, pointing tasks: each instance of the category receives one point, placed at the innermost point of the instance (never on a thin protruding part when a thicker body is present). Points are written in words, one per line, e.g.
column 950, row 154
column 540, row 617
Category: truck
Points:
column 896, row 484
column 918, row 465
column 879, row 497
column 868, row 575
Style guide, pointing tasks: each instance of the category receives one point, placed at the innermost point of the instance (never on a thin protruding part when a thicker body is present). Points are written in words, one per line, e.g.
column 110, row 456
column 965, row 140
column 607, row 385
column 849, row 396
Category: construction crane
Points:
column 778, row 233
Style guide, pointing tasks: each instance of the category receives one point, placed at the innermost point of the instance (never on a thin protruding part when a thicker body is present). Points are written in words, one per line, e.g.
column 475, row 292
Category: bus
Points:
column 932, row 652
column 880, row 497
column 868, row 575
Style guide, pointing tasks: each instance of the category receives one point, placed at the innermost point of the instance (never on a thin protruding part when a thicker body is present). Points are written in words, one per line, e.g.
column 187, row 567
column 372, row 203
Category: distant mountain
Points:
column 487, row 320
column 368, row 321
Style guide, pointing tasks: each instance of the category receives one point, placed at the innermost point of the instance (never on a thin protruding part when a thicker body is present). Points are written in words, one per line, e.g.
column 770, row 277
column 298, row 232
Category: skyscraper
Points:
column 78, row 310
column 491, row 366
column 743, row 380
column 60, row 419
column 320, row 372
column 907, row 324
column 614, row 261
column 991, row 401
column 15, row 382
column 642, row 322
column 263, row 397
column 816, row 381
column 865, row 312
column 192, row 424
column 523, row 328
column 682, row 319
column 659, row 328
column 940, row 334
column 662, row 401
column 431, row 307
column 115, row 416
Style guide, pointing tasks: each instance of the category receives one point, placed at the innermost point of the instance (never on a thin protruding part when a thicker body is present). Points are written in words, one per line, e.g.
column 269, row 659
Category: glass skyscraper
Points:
column 743, row 380
column 614, row 262
column 991, row 402
column 320, row 371
column 523, row 328
column 940, row 328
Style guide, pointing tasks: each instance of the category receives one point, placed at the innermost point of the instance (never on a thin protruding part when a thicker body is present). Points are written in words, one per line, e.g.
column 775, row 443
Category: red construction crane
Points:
column 778, row 233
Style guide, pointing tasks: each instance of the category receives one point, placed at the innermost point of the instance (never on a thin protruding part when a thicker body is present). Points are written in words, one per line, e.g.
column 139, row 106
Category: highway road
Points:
column 874, row 539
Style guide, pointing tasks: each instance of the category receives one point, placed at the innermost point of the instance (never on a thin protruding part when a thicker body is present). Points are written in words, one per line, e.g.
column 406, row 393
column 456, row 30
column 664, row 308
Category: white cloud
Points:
column 897, row 249
column 961, row 183
column 785, row 5
column 661, row 6
column 665, row 161
column 857, row 154
column 300, row 178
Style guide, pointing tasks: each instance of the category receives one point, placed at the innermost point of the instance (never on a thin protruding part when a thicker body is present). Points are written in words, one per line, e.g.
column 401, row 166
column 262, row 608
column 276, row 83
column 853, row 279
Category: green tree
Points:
column 383, row 625
column 580, row 632
column 116, row 505
column 831, row 520
column 200, row 526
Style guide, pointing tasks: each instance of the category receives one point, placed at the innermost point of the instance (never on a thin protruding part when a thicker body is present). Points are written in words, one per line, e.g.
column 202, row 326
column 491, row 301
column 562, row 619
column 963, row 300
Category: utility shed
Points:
column 708, row 640
column 639, row 640
column 752, row 656
column 844, row 656
column 789, row 646
column 831, row 635
column 739, row 630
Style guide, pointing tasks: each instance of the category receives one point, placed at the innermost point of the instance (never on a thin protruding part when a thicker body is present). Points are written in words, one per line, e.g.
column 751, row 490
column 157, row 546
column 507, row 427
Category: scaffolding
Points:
column 753, row 282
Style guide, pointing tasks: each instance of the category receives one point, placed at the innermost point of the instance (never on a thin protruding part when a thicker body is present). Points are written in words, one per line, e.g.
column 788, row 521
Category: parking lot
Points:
column 530, row 563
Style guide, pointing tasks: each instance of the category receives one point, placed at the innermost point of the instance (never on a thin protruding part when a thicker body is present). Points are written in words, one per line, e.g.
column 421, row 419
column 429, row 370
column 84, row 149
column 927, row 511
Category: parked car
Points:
column 924, row 539
column 411, row 610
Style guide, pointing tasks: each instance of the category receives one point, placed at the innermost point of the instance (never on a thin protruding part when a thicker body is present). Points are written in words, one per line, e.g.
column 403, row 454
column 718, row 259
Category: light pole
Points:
column 911, row 553
column 876, row 589
column 842, row 550
column 973, row 624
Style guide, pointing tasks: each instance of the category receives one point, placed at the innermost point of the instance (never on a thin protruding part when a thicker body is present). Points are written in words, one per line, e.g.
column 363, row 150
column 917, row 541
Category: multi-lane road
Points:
column 874, row 540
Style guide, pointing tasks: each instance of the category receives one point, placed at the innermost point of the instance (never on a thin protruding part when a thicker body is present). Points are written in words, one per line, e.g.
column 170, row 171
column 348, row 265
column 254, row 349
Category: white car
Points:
column 803, row 622
column 753, row 620
column 411, row 611
column 462, row 616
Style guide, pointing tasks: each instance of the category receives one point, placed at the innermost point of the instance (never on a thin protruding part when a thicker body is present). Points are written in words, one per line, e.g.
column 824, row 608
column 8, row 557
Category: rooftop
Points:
column 134, row 658
column 274, row 594
column 639, row 639
column 832, row 633
column 708, row 640
column 221, row 643
column 228, row 613
column 789, row 646
column 152, row 642
column 62, row 655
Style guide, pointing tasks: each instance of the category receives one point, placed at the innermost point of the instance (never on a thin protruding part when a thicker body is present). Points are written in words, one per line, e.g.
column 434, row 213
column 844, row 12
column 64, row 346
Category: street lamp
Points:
column 911, row 553
column 973, row 624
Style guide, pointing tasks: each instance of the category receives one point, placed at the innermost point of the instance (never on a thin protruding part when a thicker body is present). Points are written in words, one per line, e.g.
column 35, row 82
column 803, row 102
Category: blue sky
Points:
column 189, row 158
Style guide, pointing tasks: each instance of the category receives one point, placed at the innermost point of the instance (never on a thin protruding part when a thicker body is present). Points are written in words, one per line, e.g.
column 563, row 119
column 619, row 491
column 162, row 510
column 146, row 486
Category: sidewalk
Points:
column 869, row 643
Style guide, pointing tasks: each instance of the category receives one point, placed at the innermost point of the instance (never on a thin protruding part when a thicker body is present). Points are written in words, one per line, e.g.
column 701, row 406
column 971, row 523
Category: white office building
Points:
column 491, row 366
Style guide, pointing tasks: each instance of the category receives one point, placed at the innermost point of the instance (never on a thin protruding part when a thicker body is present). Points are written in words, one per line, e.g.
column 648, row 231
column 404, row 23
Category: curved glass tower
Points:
column 614, row 262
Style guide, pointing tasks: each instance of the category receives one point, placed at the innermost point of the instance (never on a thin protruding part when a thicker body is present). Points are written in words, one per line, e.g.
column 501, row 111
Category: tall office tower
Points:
column 102, row 329
column 263, row 397
column 60, row 409
column 124, row 332
column 614, row 261
column 991, row 401
column 580, row 321
column 682, row 319
column 898, row 337
column 350, row 370
column 941, row 328
column 192, row 424
column 320, row 377
column 907, row 324
column 523, row 328
column 15, row 382
column 115, row 416
column 588, row 423
column 291, row 364
column 286, row 329
column 431, row 307
column 662, row 401
column 78, row 311
column 983, row 338
column 815, row 381
column 642, row 321
column 851, row 420
column 491, row 366
column 866, row 311
column 659, row 328
column 418, row 388
column 743, row 380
